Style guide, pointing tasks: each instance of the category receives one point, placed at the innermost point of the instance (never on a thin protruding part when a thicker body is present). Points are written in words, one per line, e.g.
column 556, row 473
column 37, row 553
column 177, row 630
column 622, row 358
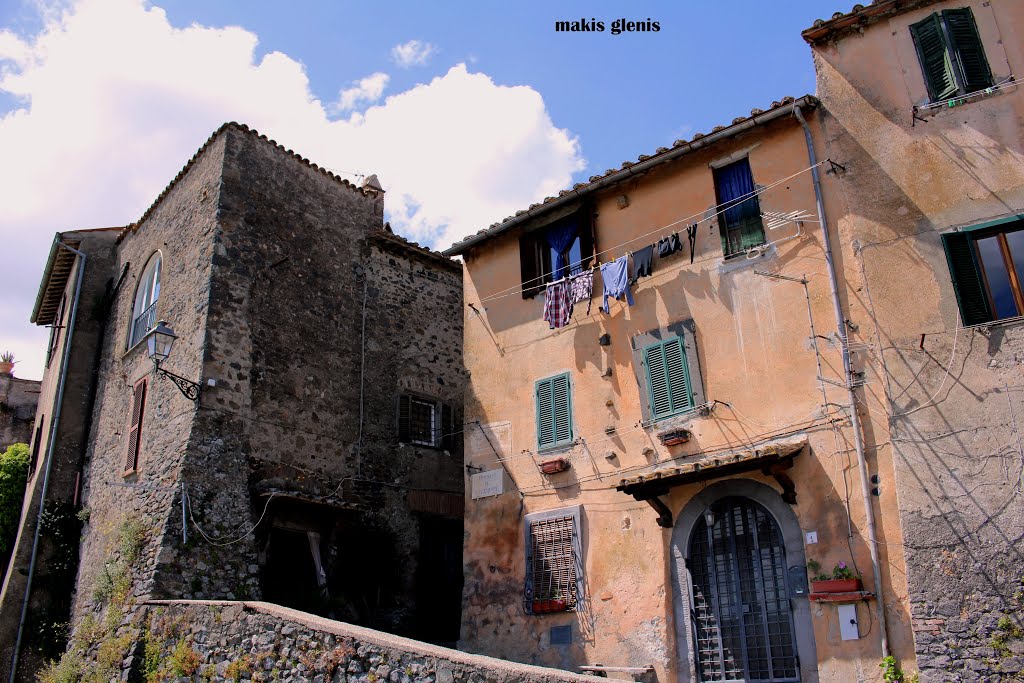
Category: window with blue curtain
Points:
column 557, row 250
column 740, row 223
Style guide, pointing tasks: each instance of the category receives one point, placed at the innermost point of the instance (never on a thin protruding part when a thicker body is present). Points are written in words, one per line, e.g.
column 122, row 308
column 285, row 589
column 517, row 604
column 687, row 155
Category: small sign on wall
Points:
column 490, row 483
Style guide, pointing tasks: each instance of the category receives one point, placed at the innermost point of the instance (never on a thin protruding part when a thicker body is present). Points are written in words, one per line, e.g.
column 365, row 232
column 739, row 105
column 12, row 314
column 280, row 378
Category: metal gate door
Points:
column 741, row 616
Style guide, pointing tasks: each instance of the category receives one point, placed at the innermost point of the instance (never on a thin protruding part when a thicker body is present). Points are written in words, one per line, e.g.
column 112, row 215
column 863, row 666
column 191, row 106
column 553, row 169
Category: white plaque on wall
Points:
column 490, row 483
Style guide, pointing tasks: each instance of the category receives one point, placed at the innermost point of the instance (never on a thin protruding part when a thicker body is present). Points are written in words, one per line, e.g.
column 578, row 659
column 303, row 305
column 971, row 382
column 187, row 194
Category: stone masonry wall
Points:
column 125, row 538
column 252, row 641
column 18, row 399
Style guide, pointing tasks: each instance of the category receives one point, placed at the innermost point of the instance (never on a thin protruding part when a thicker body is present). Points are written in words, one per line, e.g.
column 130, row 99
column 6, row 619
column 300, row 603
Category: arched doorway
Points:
column 742, row 620
column 735, row 546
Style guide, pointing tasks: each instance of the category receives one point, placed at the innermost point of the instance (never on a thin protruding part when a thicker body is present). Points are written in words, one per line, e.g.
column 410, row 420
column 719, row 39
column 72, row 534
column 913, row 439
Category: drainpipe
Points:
column 49, row 455
column 858, row 440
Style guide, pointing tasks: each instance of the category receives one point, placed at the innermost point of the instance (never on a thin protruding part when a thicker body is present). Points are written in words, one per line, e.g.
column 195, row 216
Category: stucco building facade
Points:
column 924, row 111
column 696, row 447
column 317, row 466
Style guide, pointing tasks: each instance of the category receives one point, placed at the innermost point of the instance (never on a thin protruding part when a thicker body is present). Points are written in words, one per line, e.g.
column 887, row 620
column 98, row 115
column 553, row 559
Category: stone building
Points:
column 18, row 399
column 300, row 442
column 925, row 114
column 650, row 482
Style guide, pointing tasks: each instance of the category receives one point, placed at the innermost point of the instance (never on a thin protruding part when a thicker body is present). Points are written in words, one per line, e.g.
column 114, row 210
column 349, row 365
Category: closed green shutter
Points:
column 554, row 412
column 967, row 49
column 668, row 378
column 935, row 62
column 967, row 282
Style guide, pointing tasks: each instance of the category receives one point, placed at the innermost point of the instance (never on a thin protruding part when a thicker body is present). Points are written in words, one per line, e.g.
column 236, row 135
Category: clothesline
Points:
column 721, row 208
column 951, row 101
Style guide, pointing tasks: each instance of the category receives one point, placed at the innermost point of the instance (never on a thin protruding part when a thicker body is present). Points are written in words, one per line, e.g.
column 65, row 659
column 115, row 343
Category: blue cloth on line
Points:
column 615, row 278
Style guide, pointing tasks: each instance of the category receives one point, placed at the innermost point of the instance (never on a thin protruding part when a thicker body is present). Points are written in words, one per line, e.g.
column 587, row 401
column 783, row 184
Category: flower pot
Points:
column 675, row 438
column 6, row 368
column 554, row 466
column 836, row 586
column 548, row 606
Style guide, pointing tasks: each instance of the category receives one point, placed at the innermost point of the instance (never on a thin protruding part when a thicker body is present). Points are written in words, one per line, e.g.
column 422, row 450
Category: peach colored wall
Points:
column 756, row 353
column 954, row 393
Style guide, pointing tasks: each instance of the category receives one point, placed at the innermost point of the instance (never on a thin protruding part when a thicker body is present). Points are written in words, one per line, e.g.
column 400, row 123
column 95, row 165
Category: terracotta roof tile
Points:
column 578, row 187
column 859, row 16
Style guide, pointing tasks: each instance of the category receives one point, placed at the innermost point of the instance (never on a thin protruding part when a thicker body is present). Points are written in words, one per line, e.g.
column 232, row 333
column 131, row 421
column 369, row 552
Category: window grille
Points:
column 553, row 565
column 741, row 614
column 423, row 422
column 427, row 422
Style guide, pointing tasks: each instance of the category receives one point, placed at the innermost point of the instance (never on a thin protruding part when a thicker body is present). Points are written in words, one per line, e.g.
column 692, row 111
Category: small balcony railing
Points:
column 143, row 324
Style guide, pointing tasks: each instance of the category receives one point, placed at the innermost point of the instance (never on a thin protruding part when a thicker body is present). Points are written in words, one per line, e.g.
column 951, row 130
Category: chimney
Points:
column 372, row 184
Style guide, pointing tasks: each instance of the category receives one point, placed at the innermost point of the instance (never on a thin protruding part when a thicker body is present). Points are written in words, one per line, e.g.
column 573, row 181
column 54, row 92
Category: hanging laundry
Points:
column 691, row 234
column 581, row 287
column 557, row 306
column 669, row 245
column 615, row 279
column 642, row 262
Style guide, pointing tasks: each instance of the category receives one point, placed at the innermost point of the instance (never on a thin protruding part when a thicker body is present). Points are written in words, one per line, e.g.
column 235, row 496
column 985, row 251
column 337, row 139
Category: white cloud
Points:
column 98, row 135
column 413, row 53
column 368, row 89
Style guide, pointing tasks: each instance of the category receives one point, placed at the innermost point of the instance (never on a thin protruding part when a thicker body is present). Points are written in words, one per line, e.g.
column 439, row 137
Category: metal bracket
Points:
column 664, row 514
column 915, row 118
column 188, row 388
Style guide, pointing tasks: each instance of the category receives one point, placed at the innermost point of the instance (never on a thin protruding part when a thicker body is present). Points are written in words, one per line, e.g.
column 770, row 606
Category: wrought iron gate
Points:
column 742, row 620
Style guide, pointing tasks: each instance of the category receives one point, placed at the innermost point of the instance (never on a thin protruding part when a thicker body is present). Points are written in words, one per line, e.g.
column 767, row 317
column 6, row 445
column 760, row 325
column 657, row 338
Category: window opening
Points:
column 742, row 619
column 552, row 565
column 740, row 224
column 144, row 310
column 560, row 250
column 952, row 57
column 987, row 269
column 58, row 325
column 423, row 422
column 554, row 412
column 668, row 378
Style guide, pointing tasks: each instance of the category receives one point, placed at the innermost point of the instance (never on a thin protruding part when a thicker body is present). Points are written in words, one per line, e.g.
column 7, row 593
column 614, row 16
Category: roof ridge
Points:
column 243, row 128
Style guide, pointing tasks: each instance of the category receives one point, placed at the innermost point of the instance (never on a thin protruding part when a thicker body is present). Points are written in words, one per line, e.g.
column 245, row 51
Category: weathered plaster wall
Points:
column 756, row 355
column 18, row 399
column 50, row 601
column 955, row 394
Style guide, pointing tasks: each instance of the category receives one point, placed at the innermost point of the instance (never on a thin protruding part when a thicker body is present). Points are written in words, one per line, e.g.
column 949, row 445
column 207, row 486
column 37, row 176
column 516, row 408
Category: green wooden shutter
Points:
column 554, row 412
column 967, row 282
column 668, row 378
column 967, row 49
column 934, row 56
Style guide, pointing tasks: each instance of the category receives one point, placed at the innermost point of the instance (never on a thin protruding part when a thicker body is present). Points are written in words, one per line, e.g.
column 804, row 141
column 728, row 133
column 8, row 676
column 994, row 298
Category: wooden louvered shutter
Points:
column 934, row 56
column 554, row 411
column 561, row 409
column 135, row 428
column 545, row 425
column 967, row 282
column 668, row 378
column 404, row 408
column 531, row 266
column 967, row 49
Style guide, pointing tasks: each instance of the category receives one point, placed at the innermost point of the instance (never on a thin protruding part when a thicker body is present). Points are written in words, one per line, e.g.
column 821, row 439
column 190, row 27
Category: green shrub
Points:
column 13, row 477
column 67, row 669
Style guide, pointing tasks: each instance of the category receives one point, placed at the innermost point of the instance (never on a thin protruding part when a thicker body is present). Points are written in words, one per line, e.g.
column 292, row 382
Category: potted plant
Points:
column 545, row 603
column 841, row 580
column 6, row 363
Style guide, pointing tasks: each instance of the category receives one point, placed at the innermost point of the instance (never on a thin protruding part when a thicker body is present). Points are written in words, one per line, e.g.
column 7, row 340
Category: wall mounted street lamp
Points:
column 160, row 340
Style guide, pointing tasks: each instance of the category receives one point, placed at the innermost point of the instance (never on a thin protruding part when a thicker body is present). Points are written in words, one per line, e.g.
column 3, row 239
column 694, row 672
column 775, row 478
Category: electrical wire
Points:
column 702, row 218
column 217, row 542
column 949, row 367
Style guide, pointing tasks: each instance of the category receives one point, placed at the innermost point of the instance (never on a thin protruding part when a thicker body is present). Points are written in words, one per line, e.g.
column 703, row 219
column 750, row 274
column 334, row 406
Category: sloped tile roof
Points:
column 629, row 168
column 858, row 18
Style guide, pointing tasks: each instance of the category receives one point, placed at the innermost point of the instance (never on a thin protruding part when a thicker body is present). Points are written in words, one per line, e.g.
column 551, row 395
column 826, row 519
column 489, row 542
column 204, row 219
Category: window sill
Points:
column 996, row 323
column 674, row 423
column 548, row 451
column 749, row 258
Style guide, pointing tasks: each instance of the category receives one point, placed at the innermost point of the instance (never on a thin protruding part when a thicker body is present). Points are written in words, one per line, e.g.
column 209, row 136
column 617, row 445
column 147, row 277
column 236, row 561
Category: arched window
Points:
column 144, row 311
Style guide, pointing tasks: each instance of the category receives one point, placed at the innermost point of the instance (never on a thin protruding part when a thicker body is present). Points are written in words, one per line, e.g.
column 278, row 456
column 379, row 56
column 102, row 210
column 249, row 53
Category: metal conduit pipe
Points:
column 855, row 425
column 49, row 454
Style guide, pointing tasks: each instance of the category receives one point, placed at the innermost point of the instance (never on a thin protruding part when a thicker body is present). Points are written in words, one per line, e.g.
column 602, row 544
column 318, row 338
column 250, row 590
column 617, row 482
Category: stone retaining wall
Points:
column 258, row 641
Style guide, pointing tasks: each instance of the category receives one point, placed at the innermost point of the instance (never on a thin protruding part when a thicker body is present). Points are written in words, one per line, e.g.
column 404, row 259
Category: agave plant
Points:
column 6, row 357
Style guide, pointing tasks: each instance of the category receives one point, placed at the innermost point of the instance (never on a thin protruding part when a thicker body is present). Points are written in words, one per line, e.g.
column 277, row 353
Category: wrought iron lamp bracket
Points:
column 188, row 388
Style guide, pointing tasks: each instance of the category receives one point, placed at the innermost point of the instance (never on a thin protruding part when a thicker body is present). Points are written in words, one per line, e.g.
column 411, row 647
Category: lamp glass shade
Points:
column 161, row 338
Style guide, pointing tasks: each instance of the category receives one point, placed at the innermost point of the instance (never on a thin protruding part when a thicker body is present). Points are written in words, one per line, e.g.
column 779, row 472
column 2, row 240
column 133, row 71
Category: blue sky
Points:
column 467, row 111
